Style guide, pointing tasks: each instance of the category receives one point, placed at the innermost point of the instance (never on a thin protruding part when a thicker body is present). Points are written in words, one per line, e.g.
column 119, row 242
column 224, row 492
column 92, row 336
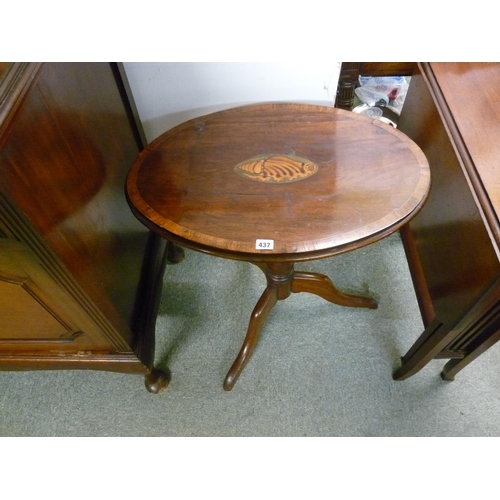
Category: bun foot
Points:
column 156, row 381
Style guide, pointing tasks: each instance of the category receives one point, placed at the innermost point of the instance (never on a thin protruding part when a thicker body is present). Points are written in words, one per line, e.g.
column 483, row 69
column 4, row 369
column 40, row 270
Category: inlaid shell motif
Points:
column 276, row 168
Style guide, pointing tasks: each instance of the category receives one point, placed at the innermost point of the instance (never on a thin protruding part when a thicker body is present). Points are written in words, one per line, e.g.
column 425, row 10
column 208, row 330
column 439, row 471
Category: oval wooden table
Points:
column 279, row 183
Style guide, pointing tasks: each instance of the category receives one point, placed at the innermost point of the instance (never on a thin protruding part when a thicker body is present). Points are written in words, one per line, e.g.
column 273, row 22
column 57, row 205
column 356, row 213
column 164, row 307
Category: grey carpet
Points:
column 318, row 369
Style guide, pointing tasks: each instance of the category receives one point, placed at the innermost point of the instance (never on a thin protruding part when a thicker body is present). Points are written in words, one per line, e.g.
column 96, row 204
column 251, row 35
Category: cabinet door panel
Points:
column 25, row 314
column 35, row 312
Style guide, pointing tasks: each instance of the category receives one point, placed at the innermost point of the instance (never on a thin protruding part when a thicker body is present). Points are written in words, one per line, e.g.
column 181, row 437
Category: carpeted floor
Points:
column 318, row 370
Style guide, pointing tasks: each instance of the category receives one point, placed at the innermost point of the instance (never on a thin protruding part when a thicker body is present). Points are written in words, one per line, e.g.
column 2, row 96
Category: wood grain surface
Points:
column 371, row 179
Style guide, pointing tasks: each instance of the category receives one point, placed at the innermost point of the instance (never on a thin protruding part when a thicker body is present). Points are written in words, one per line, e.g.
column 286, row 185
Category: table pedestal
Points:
column 276, row 184
column 282, row 281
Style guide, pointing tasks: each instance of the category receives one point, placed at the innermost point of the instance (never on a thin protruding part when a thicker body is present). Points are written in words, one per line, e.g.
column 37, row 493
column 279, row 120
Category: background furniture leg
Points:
column 175, row 253
column 432, row 341
column 455, row 365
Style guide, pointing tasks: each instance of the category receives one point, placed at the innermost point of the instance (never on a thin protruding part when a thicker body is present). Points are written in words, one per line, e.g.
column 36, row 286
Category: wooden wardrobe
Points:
column 80, row 277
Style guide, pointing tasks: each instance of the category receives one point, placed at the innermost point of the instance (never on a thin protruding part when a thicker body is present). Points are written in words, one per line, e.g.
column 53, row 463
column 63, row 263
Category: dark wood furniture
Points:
column 351, row 71
column 452, row 111
column 79, row 275
column 275, row 184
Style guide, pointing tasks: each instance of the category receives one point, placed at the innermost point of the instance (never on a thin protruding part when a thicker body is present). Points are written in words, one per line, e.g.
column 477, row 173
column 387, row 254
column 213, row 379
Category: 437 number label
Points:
column 264, row 244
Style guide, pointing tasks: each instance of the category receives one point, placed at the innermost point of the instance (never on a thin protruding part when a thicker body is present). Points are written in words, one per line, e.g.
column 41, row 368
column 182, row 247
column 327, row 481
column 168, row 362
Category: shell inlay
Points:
column 276, row 168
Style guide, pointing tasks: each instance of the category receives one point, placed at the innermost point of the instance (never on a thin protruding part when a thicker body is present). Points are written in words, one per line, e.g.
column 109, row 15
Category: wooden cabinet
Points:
column 79, row 276
column 452, row 111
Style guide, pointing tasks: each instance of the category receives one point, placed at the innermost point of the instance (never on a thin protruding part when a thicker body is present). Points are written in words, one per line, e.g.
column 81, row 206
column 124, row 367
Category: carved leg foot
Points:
column 257, row 320
column 175, row 253
column 321, row 285
column 156, row 381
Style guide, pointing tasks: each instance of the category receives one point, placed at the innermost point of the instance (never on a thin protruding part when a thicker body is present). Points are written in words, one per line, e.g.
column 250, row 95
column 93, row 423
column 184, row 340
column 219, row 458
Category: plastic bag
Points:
column 382, row 90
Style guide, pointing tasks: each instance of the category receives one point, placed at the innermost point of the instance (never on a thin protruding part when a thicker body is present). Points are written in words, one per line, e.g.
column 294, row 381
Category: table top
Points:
column 278, row 181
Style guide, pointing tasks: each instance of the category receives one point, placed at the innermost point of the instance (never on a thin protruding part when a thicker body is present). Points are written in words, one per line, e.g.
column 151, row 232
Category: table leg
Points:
column 452, row 367
column 321, row 285
column 282, row 280
column 175, row 253
column 259, row 315
column 433, row 340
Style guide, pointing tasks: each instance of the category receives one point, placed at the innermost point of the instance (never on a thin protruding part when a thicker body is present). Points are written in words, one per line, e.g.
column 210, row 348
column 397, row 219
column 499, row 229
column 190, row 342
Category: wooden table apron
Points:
column 311, row 181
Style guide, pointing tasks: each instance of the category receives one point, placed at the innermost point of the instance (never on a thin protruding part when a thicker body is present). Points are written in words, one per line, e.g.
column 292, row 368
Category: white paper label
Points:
column 264, row 244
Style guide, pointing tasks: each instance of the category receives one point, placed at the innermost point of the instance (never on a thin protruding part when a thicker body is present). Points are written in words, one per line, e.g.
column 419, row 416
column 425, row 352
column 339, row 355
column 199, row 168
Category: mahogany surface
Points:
column 371, row 179
column 368, row 180
column 452, row 111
